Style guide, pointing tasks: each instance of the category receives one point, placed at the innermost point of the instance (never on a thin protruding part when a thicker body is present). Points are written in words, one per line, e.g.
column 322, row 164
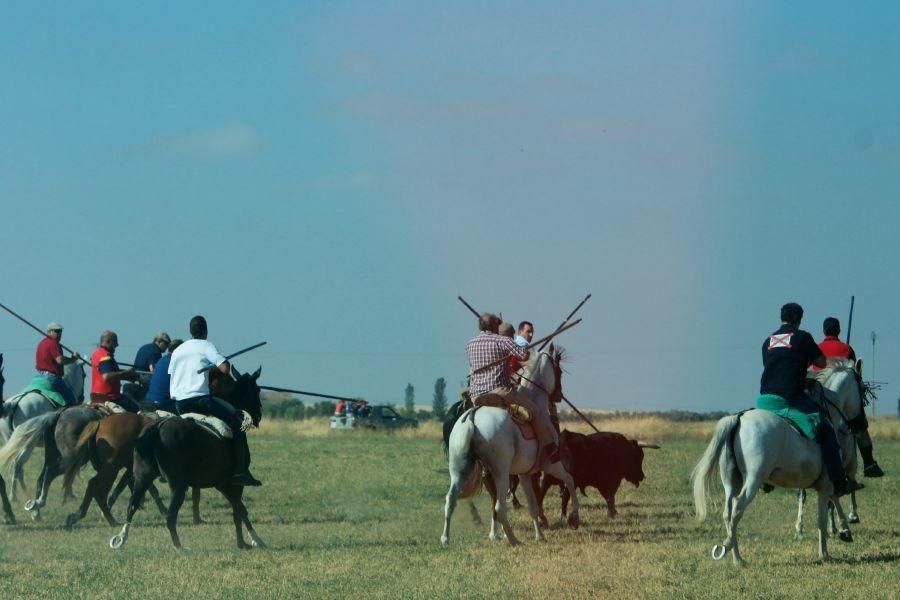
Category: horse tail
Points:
column 704, row 473
column 24, row 437
column 462, row 457
column 83, row 449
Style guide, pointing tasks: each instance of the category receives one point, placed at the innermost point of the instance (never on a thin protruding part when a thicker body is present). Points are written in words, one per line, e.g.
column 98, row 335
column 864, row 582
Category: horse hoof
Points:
column 117, row 541
column 854, row 518
column 545, row 524
column 574, row 521
column 70, row 521
column 30, row 505
column 719, row 552
column 445, row 541
column 9, row 519
column 35, row 515
column 845, row 536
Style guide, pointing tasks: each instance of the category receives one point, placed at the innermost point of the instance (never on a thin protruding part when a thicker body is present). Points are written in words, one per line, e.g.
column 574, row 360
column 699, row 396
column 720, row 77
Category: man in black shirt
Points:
column 787, row 353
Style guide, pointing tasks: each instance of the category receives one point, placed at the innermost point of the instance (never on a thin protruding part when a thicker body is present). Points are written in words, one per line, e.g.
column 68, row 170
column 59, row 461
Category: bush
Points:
column 291, row 409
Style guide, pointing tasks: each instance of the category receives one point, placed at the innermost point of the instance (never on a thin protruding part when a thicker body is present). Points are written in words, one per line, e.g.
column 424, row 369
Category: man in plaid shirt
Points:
column 492, row 387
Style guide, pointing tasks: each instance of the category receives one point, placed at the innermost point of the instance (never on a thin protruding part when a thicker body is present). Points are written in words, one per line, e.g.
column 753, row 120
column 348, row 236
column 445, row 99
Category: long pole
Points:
column 469, row 306
column 874, row 337
column 571, row 314
column 850, row 320
column 43, row 333
column 580, row 414
column 230, row 356
column 529, row 347
column 317, row 395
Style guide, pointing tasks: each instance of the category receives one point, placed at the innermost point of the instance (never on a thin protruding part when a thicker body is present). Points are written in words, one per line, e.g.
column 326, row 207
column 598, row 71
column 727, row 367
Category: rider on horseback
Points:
column 49, row 362
column 787, row 354
column 492, row 387
column 833, row 347
column 106, row 375
column 190, row 390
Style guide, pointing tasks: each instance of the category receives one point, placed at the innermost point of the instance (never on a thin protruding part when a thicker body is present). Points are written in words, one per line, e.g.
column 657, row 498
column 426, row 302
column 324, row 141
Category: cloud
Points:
column 229, row 139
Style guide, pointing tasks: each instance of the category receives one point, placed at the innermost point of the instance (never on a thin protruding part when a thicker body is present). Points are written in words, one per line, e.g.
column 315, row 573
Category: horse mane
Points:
column 835, row 366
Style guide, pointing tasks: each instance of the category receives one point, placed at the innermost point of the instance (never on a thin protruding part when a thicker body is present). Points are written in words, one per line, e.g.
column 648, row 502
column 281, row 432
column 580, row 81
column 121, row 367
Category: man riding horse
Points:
column 190, row 390
column 787, row 354
column 833, row 347
column 492, row 386
column 106, row 376
column 49, row 362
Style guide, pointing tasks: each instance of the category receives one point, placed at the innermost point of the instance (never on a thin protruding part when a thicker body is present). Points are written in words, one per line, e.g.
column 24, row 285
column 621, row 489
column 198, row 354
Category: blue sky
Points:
column 329, row 177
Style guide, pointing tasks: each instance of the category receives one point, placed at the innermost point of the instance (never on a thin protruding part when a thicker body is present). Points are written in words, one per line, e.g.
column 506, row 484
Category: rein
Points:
column 536, row 384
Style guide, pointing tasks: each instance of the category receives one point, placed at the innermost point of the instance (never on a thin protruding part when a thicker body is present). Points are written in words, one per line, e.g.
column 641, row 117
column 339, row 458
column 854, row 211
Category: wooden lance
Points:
column 302, row 393
column 571, row 314
column 230, row 356
column 43, row 333
column 529, row 347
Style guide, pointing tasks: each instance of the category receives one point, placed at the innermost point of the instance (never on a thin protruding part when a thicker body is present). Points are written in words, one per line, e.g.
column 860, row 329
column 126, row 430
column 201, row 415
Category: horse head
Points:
column 73, row 376
column 542, row 373
column 245, row 395
column 842, row 387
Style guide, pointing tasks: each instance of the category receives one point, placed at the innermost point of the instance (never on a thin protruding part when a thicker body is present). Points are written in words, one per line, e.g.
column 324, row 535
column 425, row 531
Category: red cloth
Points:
column 110, row 389
column 45, row 357
column 832, row 347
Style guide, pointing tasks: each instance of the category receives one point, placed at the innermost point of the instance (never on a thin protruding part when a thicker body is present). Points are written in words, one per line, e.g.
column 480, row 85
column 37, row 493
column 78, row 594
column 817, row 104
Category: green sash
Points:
column 42, row 386
column 807, row 423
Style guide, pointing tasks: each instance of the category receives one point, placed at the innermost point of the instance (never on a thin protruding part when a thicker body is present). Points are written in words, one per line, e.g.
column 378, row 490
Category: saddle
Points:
column 517, row 412
column 216, row 426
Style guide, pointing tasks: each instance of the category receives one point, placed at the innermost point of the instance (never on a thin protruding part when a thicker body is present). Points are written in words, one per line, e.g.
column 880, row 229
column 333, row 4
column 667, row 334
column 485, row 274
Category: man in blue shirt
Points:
column 158, row 393
column 149, row 354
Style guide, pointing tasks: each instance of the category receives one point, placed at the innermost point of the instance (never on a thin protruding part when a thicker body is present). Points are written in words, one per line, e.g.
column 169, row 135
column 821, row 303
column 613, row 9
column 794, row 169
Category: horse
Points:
column 187, row 454
column 8, row 517
column 752, row 448
column 489, row 436
column 23, row 407
column 844, row 401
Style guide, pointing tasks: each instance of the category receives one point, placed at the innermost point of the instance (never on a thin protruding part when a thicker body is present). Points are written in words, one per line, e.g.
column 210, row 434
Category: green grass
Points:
column 352, row 514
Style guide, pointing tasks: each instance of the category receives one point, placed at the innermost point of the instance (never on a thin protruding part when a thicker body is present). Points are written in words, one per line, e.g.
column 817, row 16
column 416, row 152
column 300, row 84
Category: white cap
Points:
column 54, row 326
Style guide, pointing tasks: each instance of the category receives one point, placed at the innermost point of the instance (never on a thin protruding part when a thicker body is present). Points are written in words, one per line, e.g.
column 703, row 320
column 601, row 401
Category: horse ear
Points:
column 859, row 367
column 235, row 373
column 257, row 373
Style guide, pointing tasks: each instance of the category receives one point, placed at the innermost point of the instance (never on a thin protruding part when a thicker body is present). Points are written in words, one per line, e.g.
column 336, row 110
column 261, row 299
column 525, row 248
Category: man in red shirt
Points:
column 49, row 362
column 833, row 347
column 106, row 374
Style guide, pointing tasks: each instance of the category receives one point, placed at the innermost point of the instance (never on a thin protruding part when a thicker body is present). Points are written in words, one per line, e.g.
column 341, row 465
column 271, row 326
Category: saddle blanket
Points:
column 43, row 387
column 215, row 425
column 808, row 424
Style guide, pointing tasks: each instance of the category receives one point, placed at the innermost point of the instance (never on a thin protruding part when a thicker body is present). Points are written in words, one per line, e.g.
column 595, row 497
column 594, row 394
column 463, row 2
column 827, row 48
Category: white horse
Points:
column 759, row 447
column 844, row 402
column 20, row 408
column 489, row 436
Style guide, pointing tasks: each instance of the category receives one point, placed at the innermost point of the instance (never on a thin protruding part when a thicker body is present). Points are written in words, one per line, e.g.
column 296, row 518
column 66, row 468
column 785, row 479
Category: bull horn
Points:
column 648, row 445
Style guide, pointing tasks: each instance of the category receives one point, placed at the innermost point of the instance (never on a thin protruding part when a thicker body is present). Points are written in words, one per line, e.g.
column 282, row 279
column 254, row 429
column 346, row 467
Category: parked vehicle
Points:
column 379, row 416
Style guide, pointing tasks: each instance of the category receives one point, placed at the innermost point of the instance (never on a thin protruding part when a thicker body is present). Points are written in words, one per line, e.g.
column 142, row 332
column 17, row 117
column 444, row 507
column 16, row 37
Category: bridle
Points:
column 556, row 369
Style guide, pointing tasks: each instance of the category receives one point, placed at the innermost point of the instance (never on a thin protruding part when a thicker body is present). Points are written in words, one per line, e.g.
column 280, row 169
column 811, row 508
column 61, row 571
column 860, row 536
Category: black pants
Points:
column 827, row 438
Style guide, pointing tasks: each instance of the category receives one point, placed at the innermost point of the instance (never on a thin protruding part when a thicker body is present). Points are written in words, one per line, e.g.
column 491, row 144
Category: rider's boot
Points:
column 846, row 486
column 241, row 474
column 551, row 453
column 870, row 468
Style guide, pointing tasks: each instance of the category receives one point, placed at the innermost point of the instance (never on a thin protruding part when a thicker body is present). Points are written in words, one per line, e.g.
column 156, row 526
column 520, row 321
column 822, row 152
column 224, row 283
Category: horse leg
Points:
column 105, row 480
column 19, row 474
column 450, row 503
column 85, row 503
column 142, row 480
column 511, row 496
column 8, row 517
column 823, row 524
column 195, row 505
column 154, row 493
column 541, row 494
column 558, row 471
column 530, row 497
column 178, row 494
column 798, row 525
column 844, row 533
column 127, row 479
column 495, row 533
column 501, row 481
column 473, row 511
column 739, row 505
column 854, row 513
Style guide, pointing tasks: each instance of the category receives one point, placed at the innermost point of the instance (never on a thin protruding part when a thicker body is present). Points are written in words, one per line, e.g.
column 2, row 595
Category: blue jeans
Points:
column 827, row 438
column 207, row 405
column 60, row 387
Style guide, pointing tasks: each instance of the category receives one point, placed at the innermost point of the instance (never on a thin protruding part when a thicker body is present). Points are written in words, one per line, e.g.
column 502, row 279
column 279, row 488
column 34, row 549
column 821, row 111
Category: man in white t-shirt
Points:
column 190, row 390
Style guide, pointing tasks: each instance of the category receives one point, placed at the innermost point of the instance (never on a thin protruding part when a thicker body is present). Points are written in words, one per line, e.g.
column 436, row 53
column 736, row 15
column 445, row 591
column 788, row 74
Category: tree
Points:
column 409, row 400
column 439, row 402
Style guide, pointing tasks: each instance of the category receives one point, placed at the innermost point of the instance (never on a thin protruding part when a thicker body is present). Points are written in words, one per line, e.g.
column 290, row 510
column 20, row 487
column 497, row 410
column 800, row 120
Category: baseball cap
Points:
column 54, row 326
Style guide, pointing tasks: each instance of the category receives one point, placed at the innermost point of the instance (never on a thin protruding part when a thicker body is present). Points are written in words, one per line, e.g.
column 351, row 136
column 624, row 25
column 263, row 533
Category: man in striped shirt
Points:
column 492, row 387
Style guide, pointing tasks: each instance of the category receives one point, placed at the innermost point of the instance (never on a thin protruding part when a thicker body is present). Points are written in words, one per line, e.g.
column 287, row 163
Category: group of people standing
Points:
column 171, row 375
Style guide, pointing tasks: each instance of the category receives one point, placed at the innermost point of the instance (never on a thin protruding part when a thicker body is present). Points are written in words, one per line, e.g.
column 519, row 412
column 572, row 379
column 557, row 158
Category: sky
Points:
column 329, row 177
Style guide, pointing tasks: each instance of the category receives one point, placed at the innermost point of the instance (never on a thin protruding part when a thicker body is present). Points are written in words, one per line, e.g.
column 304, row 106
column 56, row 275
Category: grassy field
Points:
column 355, row 514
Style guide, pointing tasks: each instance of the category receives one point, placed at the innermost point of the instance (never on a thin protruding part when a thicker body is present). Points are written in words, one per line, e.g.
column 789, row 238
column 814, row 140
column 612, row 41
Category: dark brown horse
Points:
column 109, row 445
column 189, row 455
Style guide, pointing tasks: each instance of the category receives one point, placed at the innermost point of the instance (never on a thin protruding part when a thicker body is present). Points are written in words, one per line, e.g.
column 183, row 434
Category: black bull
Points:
column 599, row 460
